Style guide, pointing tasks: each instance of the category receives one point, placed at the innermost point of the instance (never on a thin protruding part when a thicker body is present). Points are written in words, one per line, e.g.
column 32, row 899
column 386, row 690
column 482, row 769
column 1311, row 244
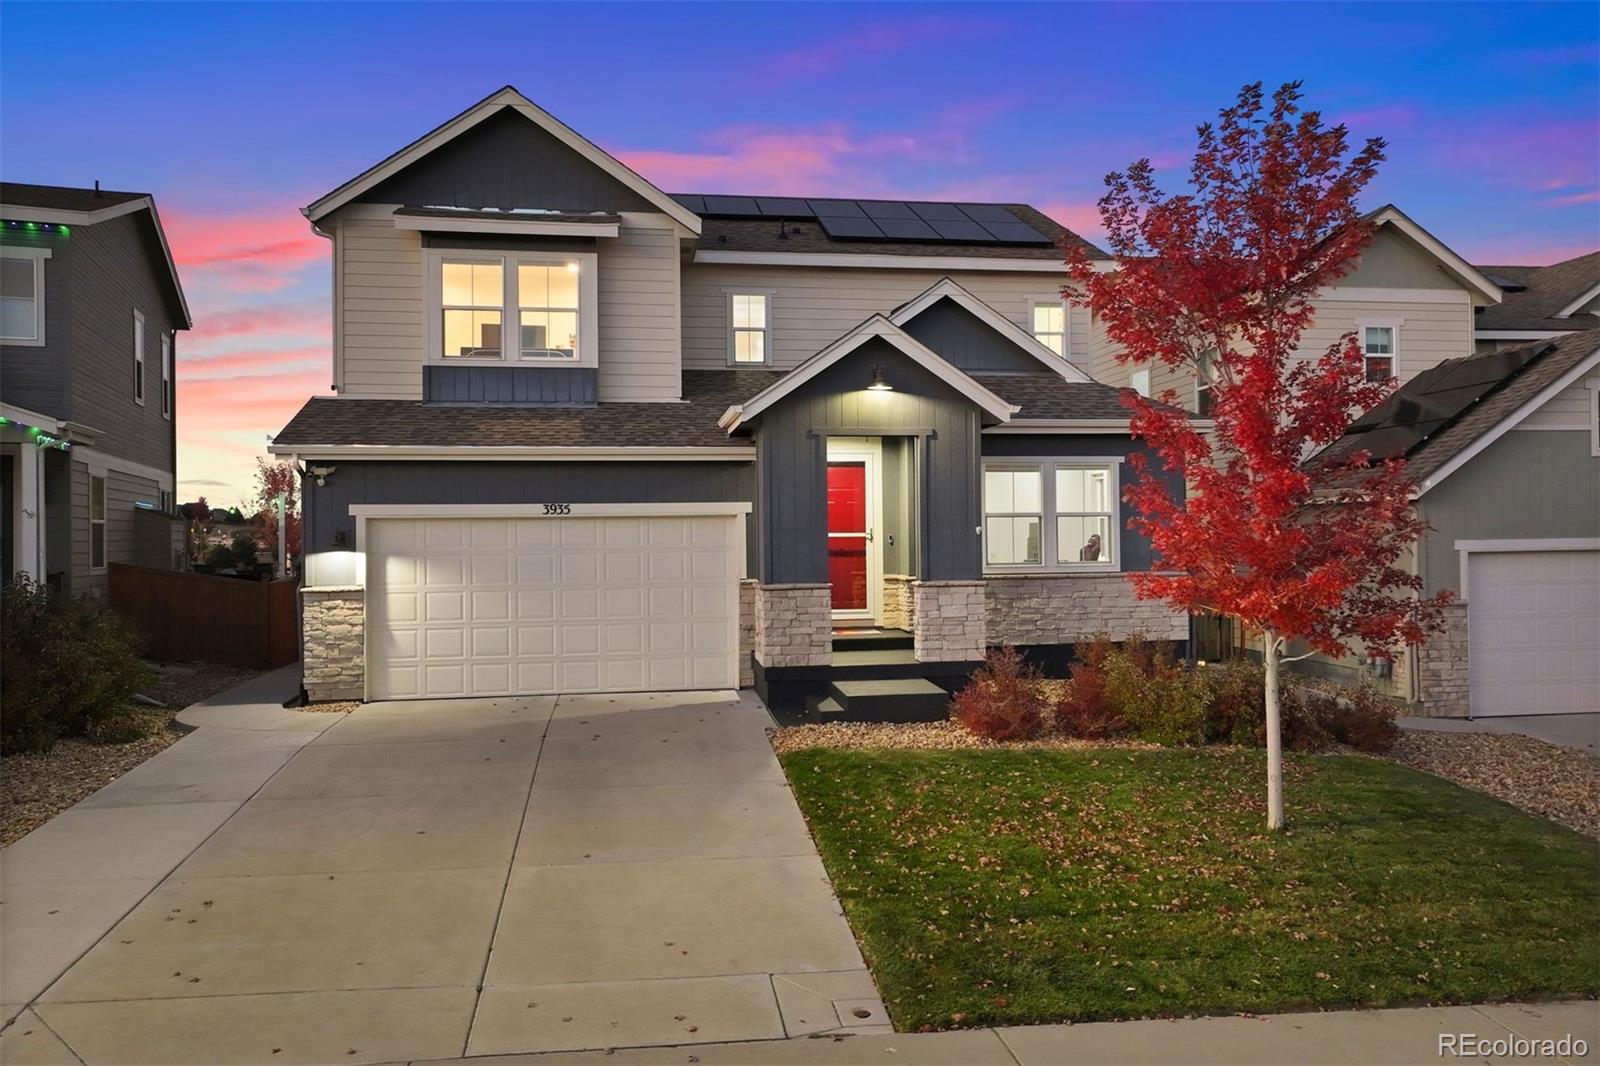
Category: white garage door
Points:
column 1533, row 628
column 519, row 606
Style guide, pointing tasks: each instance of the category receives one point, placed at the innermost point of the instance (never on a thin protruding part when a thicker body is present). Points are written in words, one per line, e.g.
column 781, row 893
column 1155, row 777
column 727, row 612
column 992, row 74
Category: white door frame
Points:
column 869, row 452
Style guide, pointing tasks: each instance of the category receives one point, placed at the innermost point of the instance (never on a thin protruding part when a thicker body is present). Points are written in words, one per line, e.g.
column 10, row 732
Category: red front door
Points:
column 847, row 534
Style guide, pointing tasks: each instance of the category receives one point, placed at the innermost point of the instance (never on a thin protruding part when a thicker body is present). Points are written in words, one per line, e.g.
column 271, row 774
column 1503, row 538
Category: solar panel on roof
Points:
column 907, row 229
column 1015, row 233
column 837, row 208
column 1489, row 369
column 938, row 212
column 732, row 205
column 849, row 227
column 886, row 209
column 697, row 204
column 963, row 231
column 987, row 213
column 783, row 206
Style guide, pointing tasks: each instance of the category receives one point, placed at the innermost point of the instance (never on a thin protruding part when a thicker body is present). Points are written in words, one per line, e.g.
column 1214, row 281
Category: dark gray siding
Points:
column 58, row 515
column 523, row 386
column 1136, row 551
column 327, row 509
column 36, row 377
column 792, row 442
column 967, row 341
column 113, row 272
column 506, row 161
column 899, row 505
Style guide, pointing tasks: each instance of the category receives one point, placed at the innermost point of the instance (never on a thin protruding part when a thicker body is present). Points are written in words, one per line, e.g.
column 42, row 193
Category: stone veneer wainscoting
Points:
column 794, row 625
column 949, row 623
column 1442, row 678
column 899, row 607
column 747, row 631
column 334, row 646
column 1028, row 609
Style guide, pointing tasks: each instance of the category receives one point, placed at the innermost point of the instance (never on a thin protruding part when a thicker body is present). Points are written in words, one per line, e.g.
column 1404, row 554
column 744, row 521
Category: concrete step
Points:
column 872, row 640
column 911, row 699
column 875, row 657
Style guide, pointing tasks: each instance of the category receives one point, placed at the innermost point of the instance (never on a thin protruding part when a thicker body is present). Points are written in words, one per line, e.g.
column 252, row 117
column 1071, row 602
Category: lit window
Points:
column 473, row 301
column 547, row 301
column 138, row 358
column 1050, row 326
column 1139, row 381
column 166, row 376
column 1058, row 515
column 22, row 297
column 747, row 316
column 1377, row 346
column 97, row 523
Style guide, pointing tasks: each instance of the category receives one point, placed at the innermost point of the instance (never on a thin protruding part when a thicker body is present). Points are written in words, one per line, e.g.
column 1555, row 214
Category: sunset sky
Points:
column 235, row 116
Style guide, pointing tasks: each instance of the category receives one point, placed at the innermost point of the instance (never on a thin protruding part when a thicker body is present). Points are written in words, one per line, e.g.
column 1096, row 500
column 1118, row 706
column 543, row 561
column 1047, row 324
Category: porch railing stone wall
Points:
column 949, row 621
column 899, row 602
column 1071, row 608
column 794, row 625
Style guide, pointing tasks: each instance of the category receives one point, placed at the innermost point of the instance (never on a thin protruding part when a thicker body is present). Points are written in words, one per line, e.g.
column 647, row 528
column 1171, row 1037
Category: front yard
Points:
column 1016, row 886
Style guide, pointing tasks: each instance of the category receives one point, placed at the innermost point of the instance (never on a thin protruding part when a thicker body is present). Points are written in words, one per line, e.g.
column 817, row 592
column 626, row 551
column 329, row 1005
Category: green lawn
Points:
column 1018, row 887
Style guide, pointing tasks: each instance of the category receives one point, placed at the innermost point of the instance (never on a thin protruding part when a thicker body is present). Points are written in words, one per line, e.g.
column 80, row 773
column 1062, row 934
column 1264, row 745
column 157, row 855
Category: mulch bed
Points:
column 921, row 736
column 1560, row 784
column 35, row 788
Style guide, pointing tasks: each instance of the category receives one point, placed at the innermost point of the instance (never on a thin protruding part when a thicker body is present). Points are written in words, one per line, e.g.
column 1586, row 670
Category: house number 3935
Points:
column 558, row 508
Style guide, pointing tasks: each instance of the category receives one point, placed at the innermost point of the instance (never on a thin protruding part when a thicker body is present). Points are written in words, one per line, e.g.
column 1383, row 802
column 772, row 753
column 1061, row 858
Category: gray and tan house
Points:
column 1504, row 448
column 90, row 310
column 590, row 436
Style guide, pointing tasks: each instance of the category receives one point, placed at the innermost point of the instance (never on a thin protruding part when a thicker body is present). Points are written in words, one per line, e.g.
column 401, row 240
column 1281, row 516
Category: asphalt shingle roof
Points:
column 1548, row 290
column 1047, row 395
column 62, row 197
column 1559, row 355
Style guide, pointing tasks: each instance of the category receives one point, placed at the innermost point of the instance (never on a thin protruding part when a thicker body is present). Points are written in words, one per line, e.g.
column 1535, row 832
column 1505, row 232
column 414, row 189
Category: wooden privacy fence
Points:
column 188, row 617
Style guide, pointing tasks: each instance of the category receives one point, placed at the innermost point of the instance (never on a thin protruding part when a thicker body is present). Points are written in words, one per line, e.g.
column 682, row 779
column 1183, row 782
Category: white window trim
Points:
column 1066, row 322
column 105, row 544
column 766, row 331
column 1391, row 324
column 1593, row 385
column 1139, row 381
column 38, row 255
column 138, row 357
column 166, row 376
column 1047, row 467
column 588, row 354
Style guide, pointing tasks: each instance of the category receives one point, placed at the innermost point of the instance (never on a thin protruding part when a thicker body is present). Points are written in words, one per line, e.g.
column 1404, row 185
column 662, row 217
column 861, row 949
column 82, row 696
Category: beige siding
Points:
column 639, row 336
column 1430, row 329
column 1392, row 261
column 1567, row 409
column 814, row 306
column 378, row 311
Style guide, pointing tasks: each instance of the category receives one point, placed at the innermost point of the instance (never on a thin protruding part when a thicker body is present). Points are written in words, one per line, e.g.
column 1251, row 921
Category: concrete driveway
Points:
column 426, row 880
column 1579, row 731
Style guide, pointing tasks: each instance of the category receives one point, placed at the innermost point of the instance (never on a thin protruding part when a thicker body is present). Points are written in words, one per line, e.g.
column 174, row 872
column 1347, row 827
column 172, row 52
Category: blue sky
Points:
column 236, row 115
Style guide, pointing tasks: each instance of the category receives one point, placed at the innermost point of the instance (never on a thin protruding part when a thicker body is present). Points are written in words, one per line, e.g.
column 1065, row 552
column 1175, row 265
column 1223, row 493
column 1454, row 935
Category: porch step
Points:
column 874, row 657
column 911, row 699
column 872, row 640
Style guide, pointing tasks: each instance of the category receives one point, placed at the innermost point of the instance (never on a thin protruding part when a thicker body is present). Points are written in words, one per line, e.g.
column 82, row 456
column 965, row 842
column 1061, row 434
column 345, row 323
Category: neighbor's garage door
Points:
column 514, row 606
column 1533, row 629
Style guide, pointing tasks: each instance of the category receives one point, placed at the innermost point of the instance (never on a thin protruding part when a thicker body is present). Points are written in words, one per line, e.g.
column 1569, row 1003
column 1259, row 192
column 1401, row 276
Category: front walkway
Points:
column 1579, row 731
column 433, row 879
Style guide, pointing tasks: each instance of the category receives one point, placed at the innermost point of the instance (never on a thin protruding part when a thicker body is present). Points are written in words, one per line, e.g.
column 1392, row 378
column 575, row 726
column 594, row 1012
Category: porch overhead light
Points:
column 878, row 384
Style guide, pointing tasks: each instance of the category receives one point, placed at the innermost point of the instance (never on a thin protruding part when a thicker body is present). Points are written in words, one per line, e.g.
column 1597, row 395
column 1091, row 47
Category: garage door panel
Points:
column 444, row 642
column 445, row 606
column 536, row 640
column 1533, row 630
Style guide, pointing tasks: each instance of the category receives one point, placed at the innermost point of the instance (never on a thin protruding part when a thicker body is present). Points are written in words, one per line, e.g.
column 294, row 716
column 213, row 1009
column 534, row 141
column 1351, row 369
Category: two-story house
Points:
column 589, row 436
column 90, row 308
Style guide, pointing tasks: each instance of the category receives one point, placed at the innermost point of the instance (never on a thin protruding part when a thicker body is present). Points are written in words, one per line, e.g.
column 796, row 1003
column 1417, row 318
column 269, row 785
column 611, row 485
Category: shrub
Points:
column 1004, row 700
column 1238, row 707
column 1163, row 701
column 1084, row 708
column 121, row 727
column 65, row 666
column 1363, row 720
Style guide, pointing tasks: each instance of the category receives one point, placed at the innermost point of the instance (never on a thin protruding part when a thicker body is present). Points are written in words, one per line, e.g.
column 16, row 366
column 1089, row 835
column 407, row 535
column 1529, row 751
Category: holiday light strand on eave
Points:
column 37, row 435
column 40, row 227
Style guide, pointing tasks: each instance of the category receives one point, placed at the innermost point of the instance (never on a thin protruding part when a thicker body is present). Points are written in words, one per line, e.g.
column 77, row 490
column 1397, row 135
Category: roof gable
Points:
column 1470, row 276
column 947, row 289
column 553, row 143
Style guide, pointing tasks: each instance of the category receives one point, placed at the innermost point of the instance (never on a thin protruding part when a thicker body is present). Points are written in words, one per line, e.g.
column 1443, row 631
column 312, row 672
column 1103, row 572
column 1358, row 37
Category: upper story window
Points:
column 1049, row 325
column 22, row 296
column 548, row 300
column 1139, row 381
column 97, row 522
column 138, row 357
column 1205, row 376
column 1378, row 348
column 748, row 318
column 166, row 375
column 1050, row 514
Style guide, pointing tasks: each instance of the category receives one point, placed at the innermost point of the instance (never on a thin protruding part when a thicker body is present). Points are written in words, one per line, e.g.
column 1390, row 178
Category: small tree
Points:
column 273, row 480
column 197, row 523
column 244, row 549
column 1219, row 282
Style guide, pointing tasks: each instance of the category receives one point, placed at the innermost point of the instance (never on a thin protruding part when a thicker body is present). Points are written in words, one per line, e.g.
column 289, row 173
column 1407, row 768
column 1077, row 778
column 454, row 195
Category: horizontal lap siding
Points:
column 814, row 306
column 639, row 336
column 1567, row 409
column 131, row 536
column 1430, row 330
column 35, row 376
column 379, row 313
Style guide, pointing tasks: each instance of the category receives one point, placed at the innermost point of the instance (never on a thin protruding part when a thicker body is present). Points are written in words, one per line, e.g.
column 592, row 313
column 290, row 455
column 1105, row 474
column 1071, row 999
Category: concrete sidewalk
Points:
column 1578, row 731
column 1368, row 1038
column 66, row 884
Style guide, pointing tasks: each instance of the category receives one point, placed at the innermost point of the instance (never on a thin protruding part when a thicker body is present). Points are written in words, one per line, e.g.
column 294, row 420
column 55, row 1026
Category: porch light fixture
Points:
column 878, row 384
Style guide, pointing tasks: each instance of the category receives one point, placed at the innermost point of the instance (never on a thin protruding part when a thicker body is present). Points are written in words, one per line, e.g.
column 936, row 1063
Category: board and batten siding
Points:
column 812, row 307
column 380, row 314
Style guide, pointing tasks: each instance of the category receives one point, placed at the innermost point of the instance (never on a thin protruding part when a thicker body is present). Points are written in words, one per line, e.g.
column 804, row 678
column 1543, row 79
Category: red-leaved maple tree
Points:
column 273, row 480
column 1220, row 281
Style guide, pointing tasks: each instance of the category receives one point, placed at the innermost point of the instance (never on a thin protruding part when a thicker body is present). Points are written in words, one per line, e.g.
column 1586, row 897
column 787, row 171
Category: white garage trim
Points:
column 537, row 510
column 1547, row 544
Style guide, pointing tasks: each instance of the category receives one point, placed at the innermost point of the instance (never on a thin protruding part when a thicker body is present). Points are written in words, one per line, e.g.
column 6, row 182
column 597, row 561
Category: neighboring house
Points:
column 592, row 437
column 1504, row 448
column 91, row 309
column 1411, row 302
column 1540, row 302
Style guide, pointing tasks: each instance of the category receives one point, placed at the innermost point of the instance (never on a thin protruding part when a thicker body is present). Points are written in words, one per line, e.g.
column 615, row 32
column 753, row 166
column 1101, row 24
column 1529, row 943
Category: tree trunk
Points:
column 1270, row 652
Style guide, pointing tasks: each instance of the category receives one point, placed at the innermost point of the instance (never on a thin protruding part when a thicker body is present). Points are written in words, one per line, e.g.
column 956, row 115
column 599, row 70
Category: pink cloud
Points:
column 1079, row 217
column 779, row 161
column 261, row 251
column 233, row 363
column 1513, row 150
column 255, row 321
column 1521, row 251
column 872, row 40
column 1590, row 197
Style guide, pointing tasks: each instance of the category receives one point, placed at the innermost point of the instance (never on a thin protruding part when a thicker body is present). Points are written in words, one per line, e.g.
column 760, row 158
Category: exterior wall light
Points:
column 878, row 383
